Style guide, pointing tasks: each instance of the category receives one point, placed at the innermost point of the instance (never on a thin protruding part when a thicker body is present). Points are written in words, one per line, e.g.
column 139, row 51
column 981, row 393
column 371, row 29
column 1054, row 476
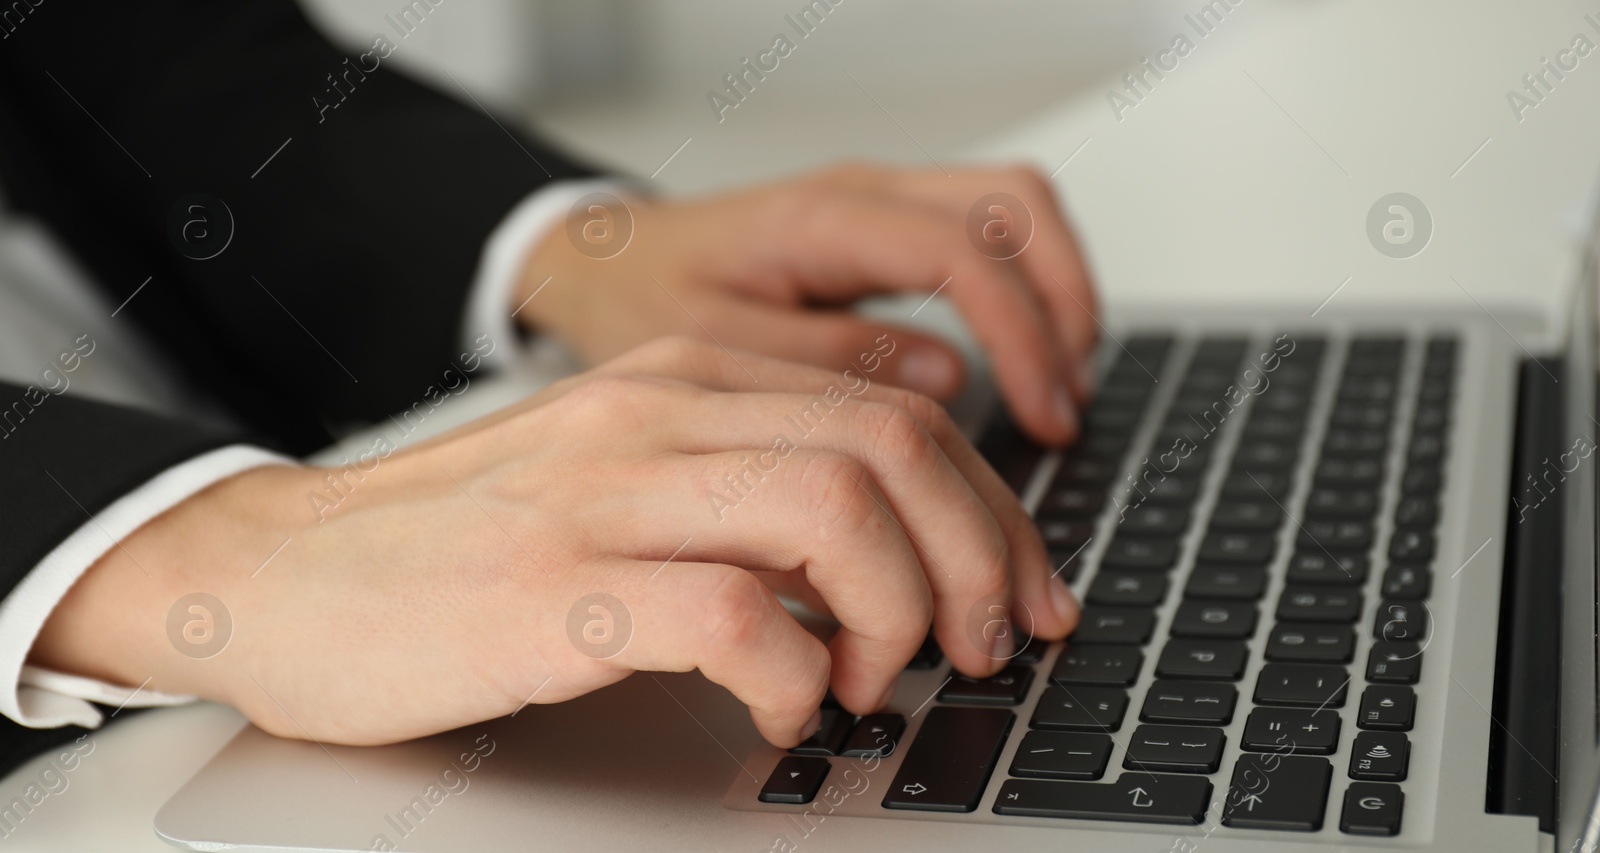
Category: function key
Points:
column 1318, row 604
column 1305, row 684
column 1223, row 619
column 1062, row 755
column 1127, row 589
column 1416, row 511
column 1292, row 730
column 1193, row 702
column 1278, row 793
column 1394, row 663
column 1421, row 479
column 1411, row 543
column 1085, row 709
column 1134, row 797
column 1084, row 663
column 1309, row 642
column 1380, row 757
column 795, row 781
column 1210, row 659
column 1372, row 808
column 1175, row 749
column 1227, row 583
column 947, row 766
column 1006, row 687
column 1387, row 708
column 875, row 734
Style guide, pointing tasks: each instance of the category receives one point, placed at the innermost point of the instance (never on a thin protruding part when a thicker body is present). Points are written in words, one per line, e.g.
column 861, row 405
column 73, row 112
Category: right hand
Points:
column 439, row 593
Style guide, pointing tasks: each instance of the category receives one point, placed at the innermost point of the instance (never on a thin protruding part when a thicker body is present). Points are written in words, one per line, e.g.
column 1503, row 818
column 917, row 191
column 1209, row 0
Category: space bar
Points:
column 1138, row 797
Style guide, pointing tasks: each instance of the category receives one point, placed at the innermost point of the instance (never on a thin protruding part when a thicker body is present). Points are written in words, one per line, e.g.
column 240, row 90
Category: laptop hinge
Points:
column 1522, row 749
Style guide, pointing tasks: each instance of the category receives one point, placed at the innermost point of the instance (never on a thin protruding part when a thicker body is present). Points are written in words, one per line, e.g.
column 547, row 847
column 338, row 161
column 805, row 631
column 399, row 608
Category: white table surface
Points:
column 1245, row 176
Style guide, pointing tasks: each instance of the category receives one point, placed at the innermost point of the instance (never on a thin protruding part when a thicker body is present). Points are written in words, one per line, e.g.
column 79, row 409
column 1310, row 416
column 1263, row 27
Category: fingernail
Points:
column 1066, row 411
column 927, row 371
column 812, row 725
column 1060, row 596
column 1005, row 642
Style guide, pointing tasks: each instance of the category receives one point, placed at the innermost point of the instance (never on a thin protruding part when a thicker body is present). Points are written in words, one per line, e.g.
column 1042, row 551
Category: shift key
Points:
column 950, row 760
column 1139, row 797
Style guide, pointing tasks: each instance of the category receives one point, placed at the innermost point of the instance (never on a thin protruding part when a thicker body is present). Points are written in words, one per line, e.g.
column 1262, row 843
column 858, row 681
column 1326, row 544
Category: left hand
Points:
column 773, row 270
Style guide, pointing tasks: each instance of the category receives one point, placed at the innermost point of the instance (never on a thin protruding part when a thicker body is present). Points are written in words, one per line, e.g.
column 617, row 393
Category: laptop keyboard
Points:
column 1183, row 554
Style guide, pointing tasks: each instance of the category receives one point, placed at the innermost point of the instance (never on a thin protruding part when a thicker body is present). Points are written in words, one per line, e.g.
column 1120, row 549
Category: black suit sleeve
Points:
column 340, row 295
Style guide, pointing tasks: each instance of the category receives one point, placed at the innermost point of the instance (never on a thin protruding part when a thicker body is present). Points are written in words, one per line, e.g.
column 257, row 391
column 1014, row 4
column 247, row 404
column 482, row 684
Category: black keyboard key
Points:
column 1065, row 533
column 1401, row 620
column 1416, row 511
column 1386, row 707
column 1265, row 455
column 1226, row 583
column 1380, row 757
column 1354, row 443
column 1007, row 687
column 1410, row 582
column 1273, row 427
column 1079, row 469
column 1421, row 480
column 1336, row 536
column 1029, row 650
column 1318, row 604
column 1394, row 663
column 1072, row 502
column 1363, row 416
column 795, row 781
column 1067, row 563
column 1172, row 491
column 1315, row 566
column 1174, row 749
column 1258, row 484
column 1134, row 797
column 928, row 656
column 1341, row 504
column 1372, row 808
column 828, row 739
column 1062, row 755
column 1127, row 589
column 1309, row 642
column 1431, row 417
column 1085, row 663
column 1210, row 659
column 1223, row 619
column 1237, row 548
column 1189, row 702
column 1310, row 685
column 1246, row 516
column 1411, row 544
column 875, row 734
column 1349, row 473
column 1140, row 554
column 1081, row 709
column 1154, row 521
column 1270, row 792
column 1120, row 626
column 1292, row 730
column 949, row 762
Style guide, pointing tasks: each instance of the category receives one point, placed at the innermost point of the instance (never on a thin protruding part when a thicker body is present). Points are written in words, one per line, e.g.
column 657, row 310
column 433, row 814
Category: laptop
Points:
column 1339, row 590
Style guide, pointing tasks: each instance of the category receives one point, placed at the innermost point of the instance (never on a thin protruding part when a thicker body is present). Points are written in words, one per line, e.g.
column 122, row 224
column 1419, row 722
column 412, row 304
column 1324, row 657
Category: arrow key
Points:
column 795, row 781
column 876, row 734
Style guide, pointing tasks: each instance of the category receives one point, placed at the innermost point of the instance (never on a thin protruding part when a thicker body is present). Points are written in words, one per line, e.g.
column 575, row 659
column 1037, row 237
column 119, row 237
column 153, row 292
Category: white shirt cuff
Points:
column 489, row 310
column 40, row 698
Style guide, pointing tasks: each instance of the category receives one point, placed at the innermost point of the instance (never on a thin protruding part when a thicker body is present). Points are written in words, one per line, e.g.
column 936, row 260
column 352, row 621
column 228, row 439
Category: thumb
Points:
column 837, row 340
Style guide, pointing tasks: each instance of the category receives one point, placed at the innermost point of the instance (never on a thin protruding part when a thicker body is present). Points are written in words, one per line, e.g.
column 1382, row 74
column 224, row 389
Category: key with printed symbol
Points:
column 1318, row 604
column 1291, row 731
column 1226, row 583
column 1310, row 685
column 1085, row 709
column 1137, row 797
column 1062, row 755
column 1189, row 702
column 1410, row 582
column 1175, row 749
column 1401, row 620
column 1380, row 757
column 1278, row 792
column 795, row 781
column 1219, row 659
column 1372, row 808
column 1387, row 707
column 1083, row 663
column 1315, row 566
column 1392, row 662
column 948, row 763
column 1114, row 625
column 1310, row 642
column 1222, row 619
column 1127, row 589
column 1006, row 687
column 875, row 734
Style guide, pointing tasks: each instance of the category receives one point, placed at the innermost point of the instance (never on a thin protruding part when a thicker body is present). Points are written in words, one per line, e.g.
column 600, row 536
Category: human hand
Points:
column 773, row 268
column 455, row 581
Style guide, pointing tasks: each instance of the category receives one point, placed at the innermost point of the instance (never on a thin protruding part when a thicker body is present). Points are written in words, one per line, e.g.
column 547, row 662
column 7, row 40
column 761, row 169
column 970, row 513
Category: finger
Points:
column 913, row 250
column 720, row 620
column 1047, row 607
column 837, row 340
